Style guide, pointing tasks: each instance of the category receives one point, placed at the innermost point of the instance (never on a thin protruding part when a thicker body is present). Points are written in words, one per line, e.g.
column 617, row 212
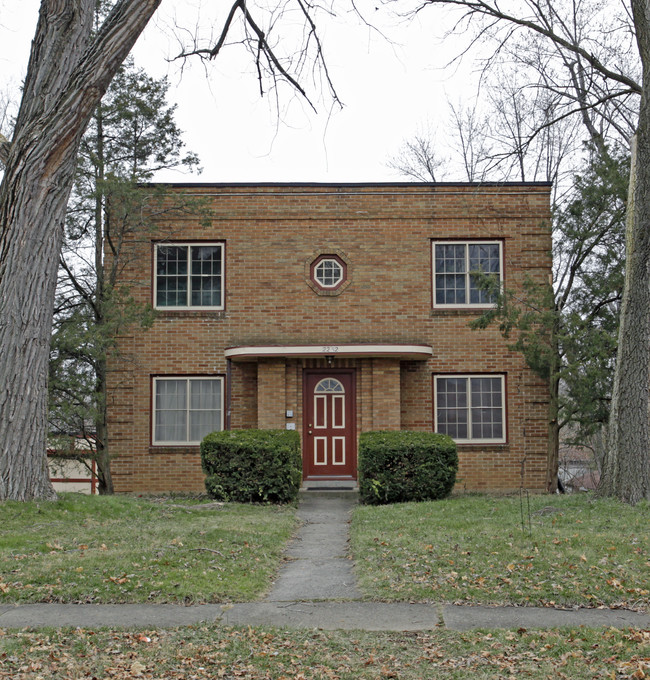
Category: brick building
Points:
column 331, row 309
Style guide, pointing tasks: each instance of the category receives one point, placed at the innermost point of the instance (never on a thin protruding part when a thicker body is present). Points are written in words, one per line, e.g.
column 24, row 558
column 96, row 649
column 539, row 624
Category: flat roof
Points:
column 342, row 185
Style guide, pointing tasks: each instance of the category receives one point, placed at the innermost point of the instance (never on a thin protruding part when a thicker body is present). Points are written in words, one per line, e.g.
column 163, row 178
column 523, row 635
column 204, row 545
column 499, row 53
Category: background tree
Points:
column 567, row 332
column 596, row 57
column 70, row 67
column 132, row 134
column 419, row 158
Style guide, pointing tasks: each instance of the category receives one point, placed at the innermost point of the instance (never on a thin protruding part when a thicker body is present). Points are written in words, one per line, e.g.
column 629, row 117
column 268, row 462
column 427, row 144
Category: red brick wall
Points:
column 383, row 233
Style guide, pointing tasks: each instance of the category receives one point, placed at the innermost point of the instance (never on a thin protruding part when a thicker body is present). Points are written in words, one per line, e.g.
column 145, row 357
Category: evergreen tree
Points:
column 132, row 134
column 567, row 329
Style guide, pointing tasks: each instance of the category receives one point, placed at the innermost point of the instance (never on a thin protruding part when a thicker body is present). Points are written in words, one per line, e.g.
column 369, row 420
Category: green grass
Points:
column 125, row 549
column 209, row 652
column 569, row 550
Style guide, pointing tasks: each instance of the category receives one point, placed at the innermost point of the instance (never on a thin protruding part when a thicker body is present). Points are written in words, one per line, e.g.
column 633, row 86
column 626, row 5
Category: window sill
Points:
column 180, row 448
column 458, row 311
column 504, row 446
column 190, row 313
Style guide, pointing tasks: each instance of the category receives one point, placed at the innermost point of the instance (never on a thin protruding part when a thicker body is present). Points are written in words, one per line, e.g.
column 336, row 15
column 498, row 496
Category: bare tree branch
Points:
column 543, row 27
column 5, row 145
column 266, row 58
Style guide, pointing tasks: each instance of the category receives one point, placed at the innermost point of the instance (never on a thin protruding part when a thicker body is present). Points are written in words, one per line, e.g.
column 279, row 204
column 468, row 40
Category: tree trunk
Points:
column 101, row 428
column 552, row 459
column 66, row 78
column 101, row 432
column 626, row 469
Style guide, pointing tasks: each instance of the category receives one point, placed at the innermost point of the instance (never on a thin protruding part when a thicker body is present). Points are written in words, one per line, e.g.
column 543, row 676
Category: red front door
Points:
column 329, row 449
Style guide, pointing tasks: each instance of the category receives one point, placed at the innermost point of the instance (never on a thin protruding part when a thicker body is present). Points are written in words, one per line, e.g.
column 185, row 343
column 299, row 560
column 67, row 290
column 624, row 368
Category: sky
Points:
column 392, row 88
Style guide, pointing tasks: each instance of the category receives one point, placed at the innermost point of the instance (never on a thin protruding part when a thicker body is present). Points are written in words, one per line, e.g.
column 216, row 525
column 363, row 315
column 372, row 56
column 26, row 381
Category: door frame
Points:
column 306, row 405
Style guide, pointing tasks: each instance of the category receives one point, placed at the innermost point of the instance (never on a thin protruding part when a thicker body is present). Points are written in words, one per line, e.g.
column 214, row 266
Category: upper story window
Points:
column 188, row 275
column 186, row 409
column 470, row 408
column 328, row 272
column 457, row 268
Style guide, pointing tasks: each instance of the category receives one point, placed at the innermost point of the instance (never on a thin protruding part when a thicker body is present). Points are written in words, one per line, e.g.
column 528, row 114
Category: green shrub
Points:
column 252, row 466
column 400, row 466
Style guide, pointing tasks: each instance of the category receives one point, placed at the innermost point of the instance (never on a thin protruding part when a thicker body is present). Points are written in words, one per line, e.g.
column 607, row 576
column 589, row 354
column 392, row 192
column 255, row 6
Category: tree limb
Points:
column 484, row 8
column 5, row 146
column 258, row 42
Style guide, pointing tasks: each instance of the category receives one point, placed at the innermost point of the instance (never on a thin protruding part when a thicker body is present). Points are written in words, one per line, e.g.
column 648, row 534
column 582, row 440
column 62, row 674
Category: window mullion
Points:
column 470, row 430
column 187, row 410
column 467, row 278
column 188, row 293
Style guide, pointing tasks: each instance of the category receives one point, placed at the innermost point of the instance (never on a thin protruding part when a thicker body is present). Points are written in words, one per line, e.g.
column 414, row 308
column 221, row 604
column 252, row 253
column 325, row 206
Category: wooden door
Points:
column 329, row 449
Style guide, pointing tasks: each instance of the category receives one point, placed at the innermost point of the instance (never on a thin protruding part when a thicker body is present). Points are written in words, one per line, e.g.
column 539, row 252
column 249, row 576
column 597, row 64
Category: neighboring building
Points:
column 333, row 309
column 578, row 470
column 71, row 465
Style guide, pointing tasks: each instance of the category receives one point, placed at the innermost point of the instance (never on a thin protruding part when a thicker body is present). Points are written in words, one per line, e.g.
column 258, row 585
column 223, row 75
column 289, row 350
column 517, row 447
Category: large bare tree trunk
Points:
column 69, row 71
column 626, row 469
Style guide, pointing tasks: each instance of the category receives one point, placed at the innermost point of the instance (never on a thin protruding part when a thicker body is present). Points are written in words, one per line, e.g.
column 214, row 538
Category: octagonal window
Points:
column 328, row 272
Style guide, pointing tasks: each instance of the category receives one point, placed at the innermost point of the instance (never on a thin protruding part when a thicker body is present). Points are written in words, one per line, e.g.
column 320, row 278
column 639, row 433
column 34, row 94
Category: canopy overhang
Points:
column 363, row 350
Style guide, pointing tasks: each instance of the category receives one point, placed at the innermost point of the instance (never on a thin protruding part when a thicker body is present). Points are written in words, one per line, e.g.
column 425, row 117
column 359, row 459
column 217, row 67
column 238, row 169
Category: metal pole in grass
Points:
column 521, row 510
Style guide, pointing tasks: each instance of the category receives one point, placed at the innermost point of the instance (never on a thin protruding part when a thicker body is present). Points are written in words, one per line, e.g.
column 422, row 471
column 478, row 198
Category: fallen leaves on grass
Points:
column 471, row 550
column 202, row 653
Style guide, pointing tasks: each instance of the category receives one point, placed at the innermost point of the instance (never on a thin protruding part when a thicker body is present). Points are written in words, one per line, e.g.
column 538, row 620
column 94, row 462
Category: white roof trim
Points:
column 251, row 353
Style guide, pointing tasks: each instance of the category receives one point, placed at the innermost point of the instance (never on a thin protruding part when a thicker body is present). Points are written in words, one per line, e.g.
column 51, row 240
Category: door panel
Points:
column 329, row 414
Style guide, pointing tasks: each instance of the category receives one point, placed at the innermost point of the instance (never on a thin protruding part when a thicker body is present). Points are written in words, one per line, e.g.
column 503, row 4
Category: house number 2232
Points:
column 330, row 349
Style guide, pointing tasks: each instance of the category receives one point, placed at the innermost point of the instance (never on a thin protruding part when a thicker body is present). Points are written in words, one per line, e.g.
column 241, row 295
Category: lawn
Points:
column 209, row 652
column 123, row 549
column 471, row 549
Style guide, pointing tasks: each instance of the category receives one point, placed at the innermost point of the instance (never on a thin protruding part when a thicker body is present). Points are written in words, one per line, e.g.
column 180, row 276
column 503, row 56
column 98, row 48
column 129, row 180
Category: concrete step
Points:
column 330, row 485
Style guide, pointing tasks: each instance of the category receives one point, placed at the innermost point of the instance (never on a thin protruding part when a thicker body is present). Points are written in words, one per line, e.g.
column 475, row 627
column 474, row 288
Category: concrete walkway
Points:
column 316, row 588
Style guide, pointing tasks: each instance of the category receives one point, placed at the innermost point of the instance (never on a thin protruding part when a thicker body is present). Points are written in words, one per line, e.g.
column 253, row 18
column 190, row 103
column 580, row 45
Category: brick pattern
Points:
column 271, row 234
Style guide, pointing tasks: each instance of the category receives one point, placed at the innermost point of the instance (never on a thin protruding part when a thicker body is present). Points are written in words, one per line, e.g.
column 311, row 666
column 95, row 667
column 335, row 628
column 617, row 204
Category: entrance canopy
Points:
column 405, row 352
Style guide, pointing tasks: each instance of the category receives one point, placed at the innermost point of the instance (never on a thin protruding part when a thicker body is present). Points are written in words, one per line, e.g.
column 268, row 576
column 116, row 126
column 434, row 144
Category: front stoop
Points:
column 325, row 485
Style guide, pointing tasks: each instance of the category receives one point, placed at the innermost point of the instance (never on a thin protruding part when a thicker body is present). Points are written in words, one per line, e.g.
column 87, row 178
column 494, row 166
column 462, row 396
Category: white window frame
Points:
column 468, row 376
column 189, row 245
column 154, row 412
column 466, row 244
column 329, row 285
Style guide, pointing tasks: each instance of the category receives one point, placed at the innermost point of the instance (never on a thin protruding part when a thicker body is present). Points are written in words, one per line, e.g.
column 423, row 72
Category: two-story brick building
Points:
column 332, row 309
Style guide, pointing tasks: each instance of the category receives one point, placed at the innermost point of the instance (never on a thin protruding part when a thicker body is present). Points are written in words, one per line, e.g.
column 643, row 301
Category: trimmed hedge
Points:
column 401, row 466
column 252, row 466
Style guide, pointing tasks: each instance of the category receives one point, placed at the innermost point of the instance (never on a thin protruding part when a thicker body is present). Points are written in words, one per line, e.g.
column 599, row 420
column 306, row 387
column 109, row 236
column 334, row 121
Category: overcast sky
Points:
column 390, row 91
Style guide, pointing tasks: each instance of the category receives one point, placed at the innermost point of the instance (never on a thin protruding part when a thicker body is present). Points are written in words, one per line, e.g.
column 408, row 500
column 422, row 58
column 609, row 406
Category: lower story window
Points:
column 186, row 409
column 470, row 408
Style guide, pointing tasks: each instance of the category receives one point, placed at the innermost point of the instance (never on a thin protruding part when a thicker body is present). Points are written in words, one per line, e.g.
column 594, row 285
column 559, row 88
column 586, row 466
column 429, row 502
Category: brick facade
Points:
column 271, row 235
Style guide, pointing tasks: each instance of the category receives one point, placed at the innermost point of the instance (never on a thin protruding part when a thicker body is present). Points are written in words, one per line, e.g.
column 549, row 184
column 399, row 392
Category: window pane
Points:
column 206, row 279
column 450, row 280
column 484, row 258
column 329, row 385
column 205, row 395
column 205, row 408
column 451, row 407
column 171, row 276
column 450, row 258
column 453, row 422
column 328, row 273
column 171, row 411
column 450, row 289
column 171, row 291
column 171, row 394
column 171, row 426
column 202, row 423
column 487, row 408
